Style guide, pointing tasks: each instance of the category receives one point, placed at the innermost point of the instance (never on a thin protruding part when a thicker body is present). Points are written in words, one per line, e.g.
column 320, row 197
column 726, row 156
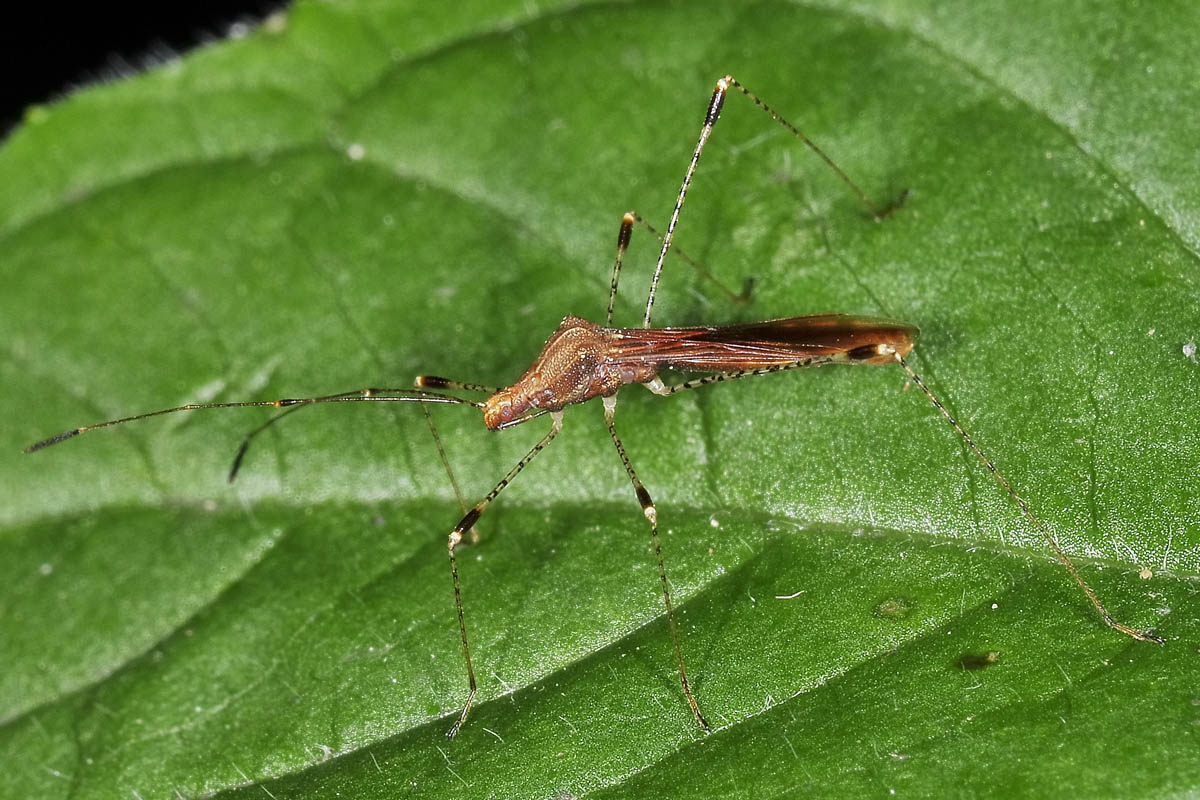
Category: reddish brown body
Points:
column 582, row 360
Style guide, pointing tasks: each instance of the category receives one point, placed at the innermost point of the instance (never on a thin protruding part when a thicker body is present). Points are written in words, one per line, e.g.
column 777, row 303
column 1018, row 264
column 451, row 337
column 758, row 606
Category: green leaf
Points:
column 361, row 192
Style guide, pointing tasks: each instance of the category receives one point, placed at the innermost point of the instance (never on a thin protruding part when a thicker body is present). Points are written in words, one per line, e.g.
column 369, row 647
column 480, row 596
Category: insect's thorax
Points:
column 575, row 365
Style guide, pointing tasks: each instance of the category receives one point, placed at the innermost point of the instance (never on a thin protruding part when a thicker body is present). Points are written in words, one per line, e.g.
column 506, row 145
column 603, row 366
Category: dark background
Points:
column 52, row 49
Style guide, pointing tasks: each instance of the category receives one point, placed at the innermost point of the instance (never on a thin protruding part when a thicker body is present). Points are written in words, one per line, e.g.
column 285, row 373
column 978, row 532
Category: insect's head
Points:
column 500, row 409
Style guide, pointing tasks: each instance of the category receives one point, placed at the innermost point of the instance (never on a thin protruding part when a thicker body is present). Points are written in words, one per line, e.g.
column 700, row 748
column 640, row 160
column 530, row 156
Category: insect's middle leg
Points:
column 610, row 405
column 456, row 538
column 623, row 236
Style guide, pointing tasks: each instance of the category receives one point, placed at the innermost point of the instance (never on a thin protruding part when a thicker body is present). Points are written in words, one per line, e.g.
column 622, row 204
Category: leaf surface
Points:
column 360, row 192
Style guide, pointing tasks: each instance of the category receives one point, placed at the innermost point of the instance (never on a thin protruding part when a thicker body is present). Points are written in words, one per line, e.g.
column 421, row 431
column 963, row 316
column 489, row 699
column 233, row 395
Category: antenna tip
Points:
column 33, row 448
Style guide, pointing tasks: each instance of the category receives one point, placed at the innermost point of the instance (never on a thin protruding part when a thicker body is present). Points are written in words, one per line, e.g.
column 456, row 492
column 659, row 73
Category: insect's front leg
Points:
column 434, row 381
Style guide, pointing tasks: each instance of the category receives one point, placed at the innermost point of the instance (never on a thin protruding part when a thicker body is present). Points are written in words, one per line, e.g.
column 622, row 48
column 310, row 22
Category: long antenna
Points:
column 1059, row 553
column 356, row 396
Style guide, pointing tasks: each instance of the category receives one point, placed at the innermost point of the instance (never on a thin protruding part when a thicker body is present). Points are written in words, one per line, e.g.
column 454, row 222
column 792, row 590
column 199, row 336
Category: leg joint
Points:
column 465, row 525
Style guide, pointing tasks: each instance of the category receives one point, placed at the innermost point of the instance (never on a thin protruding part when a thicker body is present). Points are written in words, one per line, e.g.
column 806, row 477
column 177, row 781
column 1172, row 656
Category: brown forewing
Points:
column 753, row 345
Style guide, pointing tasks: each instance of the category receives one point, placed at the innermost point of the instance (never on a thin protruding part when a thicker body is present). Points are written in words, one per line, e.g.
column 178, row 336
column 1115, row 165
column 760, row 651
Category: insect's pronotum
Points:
column 582, row 361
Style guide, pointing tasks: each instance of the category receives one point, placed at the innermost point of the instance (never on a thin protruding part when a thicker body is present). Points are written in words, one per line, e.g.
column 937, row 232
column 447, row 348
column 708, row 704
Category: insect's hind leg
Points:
column 1055, row 547
column 455, row 540
column 610, row 406
column 659, row 387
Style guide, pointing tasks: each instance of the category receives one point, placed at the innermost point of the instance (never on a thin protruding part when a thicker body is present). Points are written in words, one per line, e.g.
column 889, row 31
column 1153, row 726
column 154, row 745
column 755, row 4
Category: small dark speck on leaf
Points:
column 970, row 662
